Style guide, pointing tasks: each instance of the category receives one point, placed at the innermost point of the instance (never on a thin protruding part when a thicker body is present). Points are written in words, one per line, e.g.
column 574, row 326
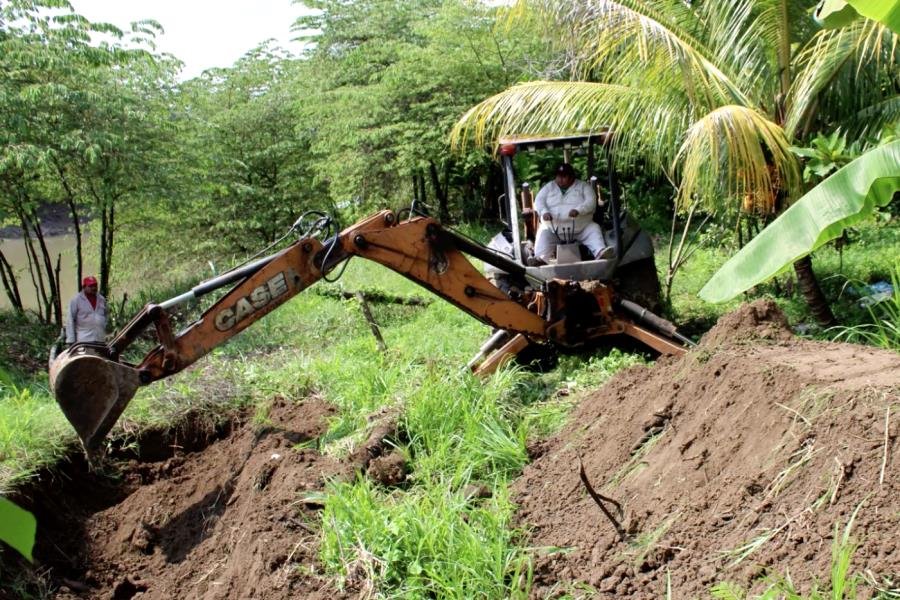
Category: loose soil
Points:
column 731, row 463
column 226, row 512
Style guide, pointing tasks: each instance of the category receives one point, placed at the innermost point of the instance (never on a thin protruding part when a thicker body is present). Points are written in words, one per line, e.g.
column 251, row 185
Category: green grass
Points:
column 428, row 542
column 33, row 432
column 870, row 256
column 883, row 330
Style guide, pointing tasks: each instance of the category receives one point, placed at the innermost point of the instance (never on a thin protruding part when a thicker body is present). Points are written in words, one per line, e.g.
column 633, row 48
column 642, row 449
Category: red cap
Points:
column 89, row 280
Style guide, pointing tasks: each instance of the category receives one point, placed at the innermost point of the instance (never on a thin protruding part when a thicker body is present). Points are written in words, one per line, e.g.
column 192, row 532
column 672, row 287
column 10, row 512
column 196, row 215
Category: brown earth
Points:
column 731, row 463
column 228, row 513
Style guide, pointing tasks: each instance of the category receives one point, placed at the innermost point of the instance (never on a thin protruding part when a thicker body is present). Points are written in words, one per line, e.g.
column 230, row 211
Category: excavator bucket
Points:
column 92, row 390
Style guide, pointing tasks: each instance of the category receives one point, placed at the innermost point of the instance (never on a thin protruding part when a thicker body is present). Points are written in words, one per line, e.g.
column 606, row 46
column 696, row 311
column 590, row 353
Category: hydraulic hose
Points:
column 655, row 321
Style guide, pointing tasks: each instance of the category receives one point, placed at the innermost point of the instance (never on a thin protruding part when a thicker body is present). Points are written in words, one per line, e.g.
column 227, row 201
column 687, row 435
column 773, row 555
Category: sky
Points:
column 203, row 33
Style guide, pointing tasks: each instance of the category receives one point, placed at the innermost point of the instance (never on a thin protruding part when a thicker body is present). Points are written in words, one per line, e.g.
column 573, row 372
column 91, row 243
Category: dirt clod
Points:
column 389, row 470
column 760, row 320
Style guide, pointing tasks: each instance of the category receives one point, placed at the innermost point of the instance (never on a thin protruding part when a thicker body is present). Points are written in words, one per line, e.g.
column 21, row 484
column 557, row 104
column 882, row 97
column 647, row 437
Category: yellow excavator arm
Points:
column 93, row 385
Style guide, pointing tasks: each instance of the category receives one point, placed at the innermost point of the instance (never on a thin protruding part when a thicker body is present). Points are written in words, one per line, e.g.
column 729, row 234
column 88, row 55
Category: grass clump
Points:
column 449, row 534
column 33, row 431
column 883, row 329
column 428, row 542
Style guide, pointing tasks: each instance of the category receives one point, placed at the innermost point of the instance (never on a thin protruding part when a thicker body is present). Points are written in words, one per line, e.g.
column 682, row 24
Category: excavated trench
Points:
column 733, row 463
column 203, row 511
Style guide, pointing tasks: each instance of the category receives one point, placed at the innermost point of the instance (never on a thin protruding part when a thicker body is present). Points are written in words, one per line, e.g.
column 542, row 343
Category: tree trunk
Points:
column 104, row 231
column 8, row 277
column 79, row 259
column 493, row 189
column 439, row 192
column 812, row 292
column 70, row 200
column 59, row 315
column 445, row 204
column 54, row 300
column 421, row 195
column 106, row 243
column 34, row 268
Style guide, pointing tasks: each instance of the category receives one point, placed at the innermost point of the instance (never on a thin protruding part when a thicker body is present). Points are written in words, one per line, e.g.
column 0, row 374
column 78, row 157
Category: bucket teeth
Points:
column 92, row 391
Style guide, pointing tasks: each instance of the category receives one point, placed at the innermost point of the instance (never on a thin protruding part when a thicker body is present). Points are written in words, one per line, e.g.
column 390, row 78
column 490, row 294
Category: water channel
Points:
column 16, row 253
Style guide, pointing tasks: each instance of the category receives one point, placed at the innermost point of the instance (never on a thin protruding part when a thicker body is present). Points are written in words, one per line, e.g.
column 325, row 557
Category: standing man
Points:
column 86, row 321
column 568, row 202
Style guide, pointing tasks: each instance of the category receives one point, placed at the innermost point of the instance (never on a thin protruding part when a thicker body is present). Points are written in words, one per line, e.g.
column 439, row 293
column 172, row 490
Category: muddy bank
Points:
column 730, row 464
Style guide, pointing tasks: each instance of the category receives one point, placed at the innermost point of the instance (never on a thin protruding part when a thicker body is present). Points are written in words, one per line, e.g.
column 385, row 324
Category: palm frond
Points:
column 734, row 151
column 874, row 117
column 619, row 38
column 779, row 17
column 856, row 48
column 647, row 123
column 741, row 39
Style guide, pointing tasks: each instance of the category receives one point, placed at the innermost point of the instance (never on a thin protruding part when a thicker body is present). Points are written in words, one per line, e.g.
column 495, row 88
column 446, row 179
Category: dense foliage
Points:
column 175, row 180
column 201, row 172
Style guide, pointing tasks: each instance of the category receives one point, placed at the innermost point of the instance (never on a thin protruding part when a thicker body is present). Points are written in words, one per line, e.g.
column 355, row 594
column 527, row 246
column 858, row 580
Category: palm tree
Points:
column 710, row 92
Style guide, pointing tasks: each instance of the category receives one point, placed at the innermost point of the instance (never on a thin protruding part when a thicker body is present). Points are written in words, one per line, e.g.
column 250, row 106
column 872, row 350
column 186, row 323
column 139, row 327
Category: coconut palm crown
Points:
column 711, row 92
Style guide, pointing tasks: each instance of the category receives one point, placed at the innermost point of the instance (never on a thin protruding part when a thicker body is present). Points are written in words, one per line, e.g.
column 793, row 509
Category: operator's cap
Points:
column 89, row 280
column 565, row 169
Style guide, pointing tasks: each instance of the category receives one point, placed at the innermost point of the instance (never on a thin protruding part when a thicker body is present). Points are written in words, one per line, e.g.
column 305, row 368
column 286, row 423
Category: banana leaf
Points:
column 838, row 13
column 883, row 11
column 17, row 527
column 834, row 14
column 847, row 197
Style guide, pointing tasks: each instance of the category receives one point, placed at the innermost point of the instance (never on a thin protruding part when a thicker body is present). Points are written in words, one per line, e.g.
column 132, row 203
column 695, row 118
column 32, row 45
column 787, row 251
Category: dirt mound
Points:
column 760, row 320
column 730, row 463
column 229, row 521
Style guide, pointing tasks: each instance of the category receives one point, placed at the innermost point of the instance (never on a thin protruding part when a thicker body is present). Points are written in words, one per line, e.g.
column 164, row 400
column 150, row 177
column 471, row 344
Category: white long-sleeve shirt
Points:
column 86, row 323
column 579, row 196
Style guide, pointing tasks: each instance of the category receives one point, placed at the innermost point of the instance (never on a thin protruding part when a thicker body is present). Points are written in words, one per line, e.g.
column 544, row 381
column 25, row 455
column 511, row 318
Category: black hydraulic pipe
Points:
column 473, row 248
column 232, row 276
column 222, row 280
column 658, row 323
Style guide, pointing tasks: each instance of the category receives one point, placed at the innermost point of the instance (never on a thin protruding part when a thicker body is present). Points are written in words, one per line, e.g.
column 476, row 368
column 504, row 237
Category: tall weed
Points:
column 884, row 329
column 430, row 542
column 33, row 431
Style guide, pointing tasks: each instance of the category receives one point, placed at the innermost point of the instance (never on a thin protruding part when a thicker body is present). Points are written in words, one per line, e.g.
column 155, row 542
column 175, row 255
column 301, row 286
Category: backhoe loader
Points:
column 562, row 304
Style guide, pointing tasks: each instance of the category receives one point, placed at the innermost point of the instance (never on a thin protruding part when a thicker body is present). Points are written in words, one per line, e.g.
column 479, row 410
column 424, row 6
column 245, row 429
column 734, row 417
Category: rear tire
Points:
column 639, row 282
